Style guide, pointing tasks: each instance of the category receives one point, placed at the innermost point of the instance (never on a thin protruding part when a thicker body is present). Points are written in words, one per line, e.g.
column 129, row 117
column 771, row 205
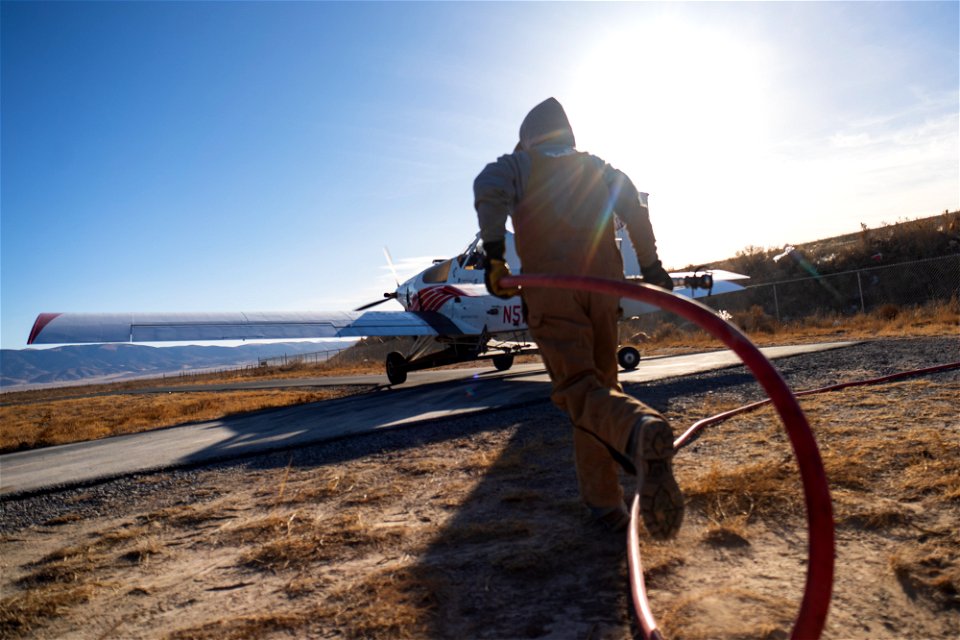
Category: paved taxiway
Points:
column 426, row 396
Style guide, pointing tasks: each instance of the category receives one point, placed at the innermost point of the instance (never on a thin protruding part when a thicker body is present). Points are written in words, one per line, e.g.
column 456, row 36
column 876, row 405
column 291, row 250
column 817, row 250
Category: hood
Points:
column 546, row 123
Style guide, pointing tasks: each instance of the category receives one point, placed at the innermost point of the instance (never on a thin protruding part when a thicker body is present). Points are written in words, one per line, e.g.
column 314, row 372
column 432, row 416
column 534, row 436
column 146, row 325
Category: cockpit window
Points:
column 472, row 256
column 438, row 272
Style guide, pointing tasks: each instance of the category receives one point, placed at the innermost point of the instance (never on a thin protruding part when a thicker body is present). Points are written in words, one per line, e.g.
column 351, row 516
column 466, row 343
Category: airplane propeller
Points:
column 386, row 296
column 393, row 269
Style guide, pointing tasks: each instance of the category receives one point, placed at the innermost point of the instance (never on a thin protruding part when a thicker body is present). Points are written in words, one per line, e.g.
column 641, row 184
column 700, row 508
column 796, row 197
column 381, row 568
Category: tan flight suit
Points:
column 564, row 225
column 563, row 203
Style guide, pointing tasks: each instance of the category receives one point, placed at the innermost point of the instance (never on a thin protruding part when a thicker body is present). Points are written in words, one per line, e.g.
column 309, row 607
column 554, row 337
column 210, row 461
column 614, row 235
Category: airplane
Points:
column 446, row 304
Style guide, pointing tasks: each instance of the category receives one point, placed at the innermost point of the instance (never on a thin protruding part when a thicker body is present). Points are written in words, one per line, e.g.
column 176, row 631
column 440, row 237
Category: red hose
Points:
column 819, row 584
column 698, row 426
column 638, row 587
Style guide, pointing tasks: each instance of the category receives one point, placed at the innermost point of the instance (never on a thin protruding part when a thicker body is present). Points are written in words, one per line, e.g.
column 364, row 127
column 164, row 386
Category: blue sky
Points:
column 259, row 156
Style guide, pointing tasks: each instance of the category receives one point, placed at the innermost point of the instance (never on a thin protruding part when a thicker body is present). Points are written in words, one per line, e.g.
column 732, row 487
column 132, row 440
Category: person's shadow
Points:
column 519, row 559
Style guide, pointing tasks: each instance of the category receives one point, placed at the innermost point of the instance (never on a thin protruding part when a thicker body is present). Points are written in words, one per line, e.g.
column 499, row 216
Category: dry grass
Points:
column 732, row 532
column 869, row 448
column 934, row 319
column 699, row 616
column 360, row 550
column 296, row 540
column 28, row 610
column 243, row 627
column 69, row 577
column 395, row 603
column 893, row 462
column 931, row 571
column 42, row 424
column 386, row 547
column 759, row 490
column 863, row 450
column 285, row 372
column 892, row 457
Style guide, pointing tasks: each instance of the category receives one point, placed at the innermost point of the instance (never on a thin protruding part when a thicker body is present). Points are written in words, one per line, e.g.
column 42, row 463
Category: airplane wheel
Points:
column 503, row 361
column 629, row 358
column 396, row 368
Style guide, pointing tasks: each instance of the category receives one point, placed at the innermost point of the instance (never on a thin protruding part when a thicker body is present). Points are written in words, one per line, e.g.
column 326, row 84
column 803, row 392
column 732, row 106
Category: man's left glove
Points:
column 656, row 275
column 495, row 269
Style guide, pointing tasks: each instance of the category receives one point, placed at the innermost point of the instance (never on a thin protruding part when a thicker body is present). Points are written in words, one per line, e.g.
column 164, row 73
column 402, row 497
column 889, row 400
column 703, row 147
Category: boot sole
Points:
column 661, row 501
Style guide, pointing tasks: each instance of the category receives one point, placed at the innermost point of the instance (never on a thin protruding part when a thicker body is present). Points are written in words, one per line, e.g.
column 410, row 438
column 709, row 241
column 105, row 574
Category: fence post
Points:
column 776, row 303
column 863, row 308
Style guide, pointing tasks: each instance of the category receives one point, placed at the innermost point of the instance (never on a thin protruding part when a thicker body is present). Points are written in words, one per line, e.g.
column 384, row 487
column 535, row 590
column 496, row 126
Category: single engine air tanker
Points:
column 446, row 306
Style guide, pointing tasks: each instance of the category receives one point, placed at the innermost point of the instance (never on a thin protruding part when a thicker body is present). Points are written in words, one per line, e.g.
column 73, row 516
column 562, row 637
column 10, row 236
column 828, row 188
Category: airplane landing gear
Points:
column 629, row 358
column 503, row 361
column 398, row 365
column 396, row 368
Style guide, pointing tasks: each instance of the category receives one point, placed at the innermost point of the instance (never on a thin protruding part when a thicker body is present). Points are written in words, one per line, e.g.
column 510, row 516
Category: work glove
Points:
column 656, row 275
column 495, row 269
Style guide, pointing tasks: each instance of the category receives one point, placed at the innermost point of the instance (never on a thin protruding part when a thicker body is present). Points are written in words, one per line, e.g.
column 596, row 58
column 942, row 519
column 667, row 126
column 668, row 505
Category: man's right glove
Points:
column 495, row 269
column 656, row 275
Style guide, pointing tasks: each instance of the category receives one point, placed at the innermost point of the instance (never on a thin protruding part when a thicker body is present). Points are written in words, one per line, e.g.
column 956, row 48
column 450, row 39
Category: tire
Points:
column 629, row 358
column 503, row 362
column 396, row 368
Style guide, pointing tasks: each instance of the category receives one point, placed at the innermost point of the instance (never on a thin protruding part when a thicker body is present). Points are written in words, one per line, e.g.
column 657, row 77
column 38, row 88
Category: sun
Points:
column 683, row 108
column 670, row 88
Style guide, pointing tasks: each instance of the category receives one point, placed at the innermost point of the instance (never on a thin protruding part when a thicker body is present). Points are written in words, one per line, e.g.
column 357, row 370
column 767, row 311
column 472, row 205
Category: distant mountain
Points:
column 20, row 367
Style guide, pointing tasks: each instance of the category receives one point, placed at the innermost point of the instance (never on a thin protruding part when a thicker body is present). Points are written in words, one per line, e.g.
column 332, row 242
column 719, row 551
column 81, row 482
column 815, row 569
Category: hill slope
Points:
column 82, row 362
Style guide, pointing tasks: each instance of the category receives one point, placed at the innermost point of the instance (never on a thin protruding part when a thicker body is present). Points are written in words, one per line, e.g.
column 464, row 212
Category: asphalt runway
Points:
column 427, row 395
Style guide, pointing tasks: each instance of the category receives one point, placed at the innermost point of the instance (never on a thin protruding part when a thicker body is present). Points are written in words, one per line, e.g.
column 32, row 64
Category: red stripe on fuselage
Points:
column 42, row 320
column 433, row 300
column 435, row 297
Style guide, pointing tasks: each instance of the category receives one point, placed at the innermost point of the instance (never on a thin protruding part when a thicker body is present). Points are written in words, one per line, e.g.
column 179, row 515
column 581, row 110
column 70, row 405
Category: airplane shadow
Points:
column 347, row 421
column 383, row 410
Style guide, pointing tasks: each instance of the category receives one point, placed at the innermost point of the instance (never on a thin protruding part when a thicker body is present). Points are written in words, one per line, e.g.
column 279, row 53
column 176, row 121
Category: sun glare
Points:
column 669, row 89
column 679, row 107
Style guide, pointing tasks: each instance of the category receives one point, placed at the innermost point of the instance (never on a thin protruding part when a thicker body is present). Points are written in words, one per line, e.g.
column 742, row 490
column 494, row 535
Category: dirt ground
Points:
column 471, row 528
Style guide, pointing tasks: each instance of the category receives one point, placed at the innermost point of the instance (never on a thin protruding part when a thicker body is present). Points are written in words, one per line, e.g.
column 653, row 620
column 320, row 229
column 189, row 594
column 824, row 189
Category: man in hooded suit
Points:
column 562, row 203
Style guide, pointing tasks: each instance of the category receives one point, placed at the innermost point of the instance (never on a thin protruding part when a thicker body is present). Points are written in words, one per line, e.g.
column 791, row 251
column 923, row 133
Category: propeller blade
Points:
column 393, row 269
column 386, row 297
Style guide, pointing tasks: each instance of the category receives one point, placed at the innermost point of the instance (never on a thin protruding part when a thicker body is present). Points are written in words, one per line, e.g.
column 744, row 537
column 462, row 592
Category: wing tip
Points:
column 38, row 325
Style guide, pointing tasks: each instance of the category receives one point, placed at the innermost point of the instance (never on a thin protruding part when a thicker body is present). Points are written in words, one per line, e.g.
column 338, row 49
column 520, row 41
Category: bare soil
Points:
column 471, row 527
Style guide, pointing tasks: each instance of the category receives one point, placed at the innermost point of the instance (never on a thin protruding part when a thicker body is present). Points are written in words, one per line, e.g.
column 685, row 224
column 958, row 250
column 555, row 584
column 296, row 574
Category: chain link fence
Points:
column 314, row 357
column 848, row 293
column 861, row 291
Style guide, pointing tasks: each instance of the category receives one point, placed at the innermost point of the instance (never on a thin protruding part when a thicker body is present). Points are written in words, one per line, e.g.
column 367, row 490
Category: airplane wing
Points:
column 718, row 274
column 719, row 287
column 70, row 328
column 632, row 308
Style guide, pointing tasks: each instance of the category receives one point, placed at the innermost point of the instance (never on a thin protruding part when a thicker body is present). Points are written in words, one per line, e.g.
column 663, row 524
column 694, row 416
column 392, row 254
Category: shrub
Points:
column 755, row 319
column 667, row 331
column 887, row 312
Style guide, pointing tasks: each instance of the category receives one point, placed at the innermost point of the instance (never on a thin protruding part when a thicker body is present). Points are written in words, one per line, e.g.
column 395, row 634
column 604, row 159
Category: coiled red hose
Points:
column 819, row 583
